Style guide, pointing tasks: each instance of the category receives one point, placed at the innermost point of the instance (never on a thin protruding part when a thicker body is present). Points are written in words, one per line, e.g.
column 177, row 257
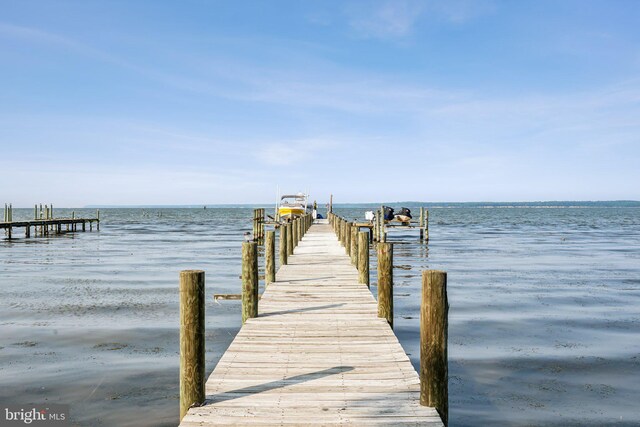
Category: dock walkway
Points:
column 317, row 354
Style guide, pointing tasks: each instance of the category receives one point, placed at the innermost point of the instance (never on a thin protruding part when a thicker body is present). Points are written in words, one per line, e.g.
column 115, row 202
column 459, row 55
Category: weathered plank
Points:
column 317, row 354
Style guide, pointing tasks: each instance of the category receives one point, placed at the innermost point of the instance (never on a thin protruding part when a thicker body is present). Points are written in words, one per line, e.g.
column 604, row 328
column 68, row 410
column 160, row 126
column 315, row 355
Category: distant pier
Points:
column 44, row 224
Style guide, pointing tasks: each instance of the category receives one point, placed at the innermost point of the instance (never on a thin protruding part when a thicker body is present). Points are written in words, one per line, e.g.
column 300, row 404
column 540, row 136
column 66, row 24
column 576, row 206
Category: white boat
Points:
column 291, row 206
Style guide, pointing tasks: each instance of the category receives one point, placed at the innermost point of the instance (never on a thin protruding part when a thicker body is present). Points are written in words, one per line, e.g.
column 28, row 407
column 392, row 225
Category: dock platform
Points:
column 317, row 354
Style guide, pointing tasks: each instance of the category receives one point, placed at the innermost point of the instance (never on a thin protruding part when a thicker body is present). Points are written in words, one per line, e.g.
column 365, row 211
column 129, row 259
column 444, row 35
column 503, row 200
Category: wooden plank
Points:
column 317, row 354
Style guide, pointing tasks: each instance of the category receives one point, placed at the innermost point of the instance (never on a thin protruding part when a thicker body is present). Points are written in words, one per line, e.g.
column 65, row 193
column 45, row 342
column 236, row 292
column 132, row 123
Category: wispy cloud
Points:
column 292, row 152
column 396, row 19
column 384, row 19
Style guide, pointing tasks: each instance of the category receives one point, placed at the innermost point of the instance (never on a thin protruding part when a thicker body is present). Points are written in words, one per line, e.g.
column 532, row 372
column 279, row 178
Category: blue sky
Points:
column 189, row 102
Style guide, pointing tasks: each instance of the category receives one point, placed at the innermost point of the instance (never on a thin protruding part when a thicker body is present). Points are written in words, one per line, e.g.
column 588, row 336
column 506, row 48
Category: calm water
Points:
column 544, row 318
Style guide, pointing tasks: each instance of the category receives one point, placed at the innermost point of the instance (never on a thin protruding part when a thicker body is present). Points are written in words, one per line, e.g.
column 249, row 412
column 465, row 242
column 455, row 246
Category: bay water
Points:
column 544, row 320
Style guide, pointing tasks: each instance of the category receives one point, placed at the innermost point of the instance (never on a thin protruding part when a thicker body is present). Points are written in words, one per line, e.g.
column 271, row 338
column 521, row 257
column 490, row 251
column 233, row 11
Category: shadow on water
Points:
column 298, row 379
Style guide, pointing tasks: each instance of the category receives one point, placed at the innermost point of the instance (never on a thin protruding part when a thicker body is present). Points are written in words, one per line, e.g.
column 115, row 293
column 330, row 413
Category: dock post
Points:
column 192, row 340
column 294, row 227
column 354, row 245
column 283, row 245
column 385, row 282
column 6, row 212
column 347, row 238
column 98, row 218
column 262, row 225
column 35, row 212
column 426, row 225
column 255, row 225
column 249, row 280
column 363, row 257
column 434, row 324
column 270, row 258
column 421, row 226
column 289, row 240
column 331, row 203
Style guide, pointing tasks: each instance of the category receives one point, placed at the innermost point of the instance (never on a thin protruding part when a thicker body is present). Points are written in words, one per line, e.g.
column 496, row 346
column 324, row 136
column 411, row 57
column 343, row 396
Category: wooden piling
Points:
column 347, row 237
column 426, row 224
column 249, row 280
column 283, row 245
column 385, row 282
column 270, row 258
column 262, row 235
column 363, row 257
column 294, row 227
column 192, row 339
column 254, row 223
column 289, row 239
column 354, row 244
column 434, row 324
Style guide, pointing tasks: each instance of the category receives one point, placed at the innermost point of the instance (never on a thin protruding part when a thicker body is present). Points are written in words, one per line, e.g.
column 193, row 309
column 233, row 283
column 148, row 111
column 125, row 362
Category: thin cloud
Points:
column 386, row 19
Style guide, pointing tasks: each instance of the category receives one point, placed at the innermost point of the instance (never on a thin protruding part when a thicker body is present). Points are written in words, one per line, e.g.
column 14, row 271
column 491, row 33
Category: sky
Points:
column 207, row 102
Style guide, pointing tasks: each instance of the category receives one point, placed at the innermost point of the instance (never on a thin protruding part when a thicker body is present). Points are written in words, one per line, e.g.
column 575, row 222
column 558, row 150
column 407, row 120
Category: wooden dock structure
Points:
column 317, row 353
column 45, row 224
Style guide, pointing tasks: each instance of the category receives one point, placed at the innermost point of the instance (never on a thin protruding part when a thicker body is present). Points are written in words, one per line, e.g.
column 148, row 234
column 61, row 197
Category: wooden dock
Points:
column 317, row 354
column 46, row 227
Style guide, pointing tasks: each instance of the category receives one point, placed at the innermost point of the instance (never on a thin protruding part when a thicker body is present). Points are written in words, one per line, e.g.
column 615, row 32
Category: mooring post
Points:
column 363, row 257
column 249, row 280
column 255, row 225
column 354, row 244
column 289, row 240
column 98, row 218
column 294, row 226
column 283, row 245
column 262, row 224
column 434, row 324
column 192, row 340
column 426, row 224
column 421, row 223
column 385, row 282
column 270, row 258
column 347, row 238
column 35, row 212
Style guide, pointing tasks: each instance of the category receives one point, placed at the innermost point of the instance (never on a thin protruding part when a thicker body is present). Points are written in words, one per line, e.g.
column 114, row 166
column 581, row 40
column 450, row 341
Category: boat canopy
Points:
column 295, row 196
